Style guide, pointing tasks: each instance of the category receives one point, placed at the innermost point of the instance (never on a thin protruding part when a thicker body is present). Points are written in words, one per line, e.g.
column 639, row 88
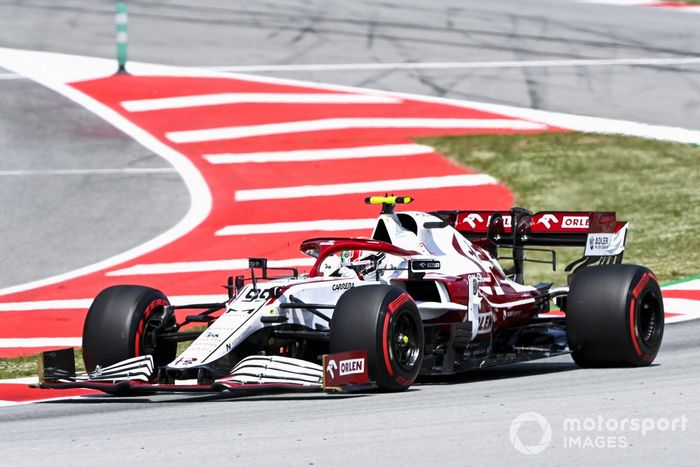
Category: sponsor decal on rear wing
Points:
column 549, row 228
column 566, row 222
column 606, row 237
column 478, row 221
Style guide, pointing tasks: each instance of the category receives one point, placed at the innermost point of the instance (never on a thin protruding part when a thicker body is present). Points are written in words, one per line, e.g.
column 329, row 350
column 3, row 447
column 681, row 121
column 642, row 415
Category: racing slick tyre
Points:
column 120, row 324
column 385, row 321
column 614, row 316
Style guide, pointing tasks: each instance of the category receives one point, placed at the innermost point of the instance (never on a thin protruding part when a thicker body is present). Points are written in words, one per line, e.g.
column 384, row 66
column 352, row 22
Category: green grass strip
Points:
column 28, row 365
column 681, row 281
column 654, row 185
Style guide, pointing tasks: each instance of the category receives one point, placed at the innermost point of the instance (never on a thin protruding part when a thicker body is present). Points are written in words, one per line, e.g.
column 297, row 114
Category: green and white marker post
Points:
column 121, row 20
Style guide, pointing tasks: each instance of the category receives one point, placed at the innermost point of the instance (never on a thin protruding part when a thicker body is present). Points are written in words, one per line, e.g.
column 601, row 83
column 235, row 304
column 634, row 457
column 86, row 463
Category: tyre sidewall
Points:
column 603, row 307
column 644, row 283
column 359, row 322
column 115, row 324
column 395, row 304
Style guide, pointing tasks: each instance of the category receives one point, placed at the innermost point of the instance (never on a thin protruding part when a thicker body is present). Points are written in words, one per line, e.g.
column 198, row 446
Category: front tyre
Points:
column 122, row 322
column 384, row 321
column 614, row 316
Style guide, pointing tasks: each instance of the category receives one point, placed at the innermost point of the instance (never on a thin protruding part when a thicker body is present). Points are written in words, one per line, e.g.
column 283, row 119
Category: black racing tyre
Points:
column 118, row 323
column 385, row 321
column 614, row 316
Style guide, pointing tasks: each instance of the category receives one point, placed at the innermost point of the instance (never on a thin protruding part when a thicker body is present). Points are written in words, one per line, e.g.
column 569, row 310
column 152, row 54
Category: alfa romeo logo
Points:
column 330, row 367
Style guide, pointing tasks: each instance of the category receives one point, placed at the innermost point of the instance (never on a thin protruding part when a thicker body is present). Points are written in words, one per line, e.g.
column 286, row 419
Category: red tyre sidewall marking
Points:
column 633, row 333
column 633, row 302
column 393, row 306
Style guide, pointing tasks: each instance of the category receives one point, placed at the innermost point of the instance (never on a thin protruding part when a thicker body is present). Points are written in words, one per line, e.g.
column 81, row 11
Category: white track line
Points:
column 365, row 187
column 69, row 304
column 682, row 305
column 124, row 171
column 54, row 71
column 693, row 284
column 235, row 132
column 680, row 319
column 6, row 343
column 27, row 380
column 84, row 303
column 386, row 150
column 592, row 124
column 202, row 266
column 9, row 76
column 621, row 2
column 688, row 7
column 144, row 105
column 34, row 401
column 326, row 225
column 466, row 65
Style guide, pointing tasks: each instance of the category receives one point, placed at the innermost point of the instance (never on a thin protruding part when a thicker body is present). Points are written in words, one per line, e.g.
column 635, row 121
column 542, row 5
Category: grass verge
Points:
column 21, row 367
column 654, row 185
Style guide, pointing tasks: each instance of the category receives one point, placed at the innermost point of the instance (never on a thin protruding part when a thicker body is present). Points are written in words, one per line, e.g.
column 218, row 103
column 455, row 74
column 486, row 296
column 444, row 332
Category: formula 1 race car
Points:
column 425, row 295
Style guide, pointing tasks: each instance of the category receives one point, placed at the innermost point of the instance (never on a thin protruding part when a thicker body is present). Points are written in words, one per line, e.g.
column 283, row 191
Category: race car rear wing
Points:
column 548, row 228
column 602, row 235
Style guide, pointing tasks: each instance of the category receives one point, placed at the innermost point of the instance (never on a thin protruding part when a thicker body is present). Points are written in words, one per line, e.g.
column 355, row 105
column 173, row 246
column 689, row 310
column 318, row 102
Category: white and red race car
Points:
column 425, row 295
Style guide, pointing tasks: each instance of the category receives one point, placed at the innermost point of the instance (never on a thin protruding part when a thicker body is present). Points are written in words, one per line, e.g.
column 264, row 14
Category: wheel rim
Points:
column 155, row 321
column 649, row 319
column 148, row 339
column 405, row 345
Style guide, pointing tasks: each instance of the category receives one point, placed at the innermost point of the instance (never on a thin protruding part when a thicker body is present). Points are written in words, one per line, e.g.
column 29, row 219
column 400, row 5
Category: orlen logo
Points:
column 474, row 220
column 547, row 220
column 331, row 367
column 352, row 366
column 506, row 221
column 575, row 222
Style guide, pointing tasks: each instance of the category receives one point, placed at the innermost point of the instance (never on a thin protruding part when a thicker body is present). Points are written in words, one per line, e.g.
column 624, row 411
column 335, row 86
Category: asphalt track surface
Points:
column 453, row 424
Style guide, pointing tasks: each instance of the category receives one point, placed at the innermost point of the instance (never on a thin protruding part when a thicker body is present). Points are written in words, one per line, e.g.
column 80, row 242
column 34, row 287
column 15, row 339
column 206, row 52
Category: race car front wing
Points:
column 252, row 375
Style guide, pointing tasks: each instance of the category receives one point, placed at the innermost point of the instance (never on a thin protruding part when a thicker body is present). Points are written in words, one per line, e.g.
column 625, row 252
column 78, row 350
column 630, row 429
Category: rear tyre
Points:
column 384, row 321
column 614, row 316
column 120, row 324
